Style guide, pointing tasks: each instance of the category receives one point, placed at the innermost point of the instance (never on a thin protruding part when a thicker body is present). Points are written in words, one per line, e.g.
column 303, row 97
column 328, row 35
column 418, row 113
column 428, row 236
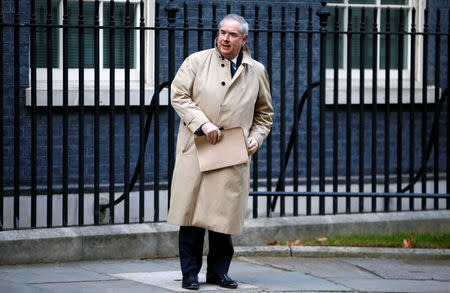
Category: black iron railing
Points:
column 70, row 165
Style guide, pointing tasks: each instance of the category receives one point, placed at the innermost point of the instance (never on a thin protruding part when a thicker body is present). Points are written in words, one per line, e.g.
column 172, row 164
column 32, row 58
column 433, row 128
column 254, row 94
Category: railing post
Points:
column 185, row 31
column 296, row 100
column 447, row 190
column 112, row 110
column 424, row 105
column 387, row 110
column 412, row 109
column 270, row 208
column 126, row 172
column 142, row 115
column 308, row 113
column 437, row 85
column 32, row 114
column 214, row 31
column 282, row 179
column 323, row 14
column 200, row 27
column 96, row 113
column 400, row 110
column 255, row 156
column 81, row 116
column 374, row 109
column 348, row 109
column 16, row 115
column 362, row 57
column 156, row 124
column 171, row 10
column 1, row 115
column 336, row 53
column 65, row 115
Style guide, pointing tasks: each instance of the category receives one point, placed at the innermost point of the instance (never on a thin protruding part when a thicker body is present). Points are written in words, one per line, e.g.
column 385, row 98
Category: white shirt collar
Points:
column 234, row 60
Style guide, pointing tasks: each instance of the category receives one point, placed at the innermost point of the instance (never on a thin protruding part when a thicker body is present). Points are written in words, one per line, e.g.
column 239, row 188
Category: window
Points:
column 89, row 54
column 353, row 17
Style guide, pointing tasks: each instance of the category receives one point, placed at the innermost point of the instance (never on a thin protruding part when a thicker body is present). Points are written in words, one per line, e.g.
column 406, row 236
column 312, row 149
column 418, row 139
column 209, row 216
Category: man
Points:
column 210, row 93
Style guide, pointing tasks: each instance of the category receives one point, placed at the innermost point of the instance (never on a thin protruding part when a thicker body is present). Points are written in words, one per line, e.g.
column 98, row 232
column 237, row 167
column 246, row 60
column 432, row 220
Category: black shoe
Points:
column 222, row 280
column 190, row 281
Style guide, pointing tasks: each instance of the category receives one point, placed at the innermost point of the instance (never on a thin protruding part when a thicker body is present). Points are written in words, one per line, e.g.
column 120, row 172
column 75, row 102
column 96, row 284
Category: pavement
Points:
column 253, row 272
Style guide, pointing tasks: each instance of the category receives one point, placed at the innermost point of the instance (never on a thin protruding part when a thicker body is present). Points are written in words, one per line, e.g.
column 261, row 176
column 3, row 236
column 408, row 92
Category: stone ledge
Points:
column 88, row 243
column 403, row 253
column 337, row 251
column 261, row 231
column 156, row 240
column 262, row 251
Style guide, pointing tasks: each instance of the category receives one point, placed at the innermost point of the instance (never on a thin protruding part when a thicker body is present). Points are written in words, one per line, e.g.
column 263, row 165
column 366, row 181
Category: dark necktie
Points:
column 233, row 70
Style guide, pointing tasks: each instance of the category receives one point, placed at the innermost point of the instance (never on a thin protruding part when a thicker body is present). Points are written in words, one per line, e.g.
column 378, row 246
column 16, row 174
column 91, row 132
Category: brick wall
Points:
column 8, row 103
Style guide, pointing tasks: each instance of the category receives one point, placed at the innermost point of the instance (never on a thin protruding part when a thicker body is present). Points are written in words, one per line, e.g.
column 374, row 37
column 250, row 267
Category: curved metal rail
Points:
column 419, row 173
column 137, row 169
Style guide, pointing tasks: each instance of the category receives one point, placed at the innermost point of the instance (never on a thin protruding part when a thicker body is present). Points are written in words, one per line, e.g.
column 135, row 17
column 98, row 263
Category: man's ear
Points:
column 245, row 39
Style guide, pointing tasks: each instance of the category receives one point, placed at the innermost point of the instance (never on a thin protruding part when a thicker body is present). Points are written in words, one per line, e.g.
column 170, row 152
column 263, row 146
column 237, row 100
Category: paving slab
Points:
column 50, row 273
column 114, row 286
column 11, row 287
column 110, row 267
column 397, row 286
column 291, row 281
column 273, row 277
column 318, row 267
column 367, row 274
column 400, row 269
column 171, row 280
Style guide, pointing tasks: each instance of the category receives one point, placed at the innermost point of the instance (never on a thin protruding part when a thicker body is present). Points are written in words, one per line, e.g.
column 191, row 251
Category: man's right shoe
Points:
column 190, row 281
column 221, row 279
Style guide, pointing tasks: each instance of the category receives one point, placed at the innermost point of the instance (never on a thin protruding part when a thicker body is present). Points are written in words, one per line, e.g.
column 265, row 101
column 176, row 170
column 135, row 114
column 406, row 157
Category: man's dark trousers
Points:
column 191, row 250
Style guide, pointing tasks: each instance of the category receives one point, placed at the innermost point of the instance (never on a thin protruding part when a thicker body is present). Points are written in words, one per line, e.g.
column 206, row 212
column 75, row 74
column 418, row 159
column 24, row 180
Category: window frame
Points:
column 89, row 73
column 420, row 6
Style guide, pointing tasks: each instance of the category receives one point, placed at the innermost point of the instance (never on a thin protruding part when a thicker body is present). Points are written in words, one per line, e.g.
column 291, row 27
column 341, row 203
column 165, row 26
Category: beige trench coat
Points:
column 203, row 91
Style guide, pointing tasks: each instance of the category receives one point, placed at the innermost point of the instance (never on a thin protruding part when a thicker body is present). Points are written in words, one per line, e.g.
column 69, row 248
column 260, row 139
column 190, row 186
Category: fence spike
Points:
column 171, row 10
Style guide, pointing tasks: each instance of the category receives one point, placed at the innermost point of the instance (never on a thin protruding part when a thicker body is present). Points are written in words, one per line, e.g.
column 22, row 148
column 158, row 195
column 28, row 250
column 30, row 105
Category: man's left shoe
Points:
column 221, row 279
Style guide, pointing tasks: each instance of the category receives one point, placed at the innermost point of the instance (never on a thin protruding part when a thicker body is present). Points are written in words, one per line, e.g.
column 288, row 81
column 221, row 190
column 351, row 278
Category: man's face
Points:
column 230, row 39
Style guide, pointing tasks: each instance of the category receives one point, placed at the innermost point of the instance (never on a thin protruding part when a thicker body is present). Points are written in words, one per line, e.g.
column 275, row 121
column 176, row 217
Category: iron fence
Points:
column 329, row 164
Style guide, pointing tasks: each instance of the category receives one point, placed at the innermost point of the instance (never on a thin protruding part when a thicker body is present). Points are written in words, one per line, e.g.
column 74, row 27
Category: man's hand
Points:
column 252, row 146
column 212, row 132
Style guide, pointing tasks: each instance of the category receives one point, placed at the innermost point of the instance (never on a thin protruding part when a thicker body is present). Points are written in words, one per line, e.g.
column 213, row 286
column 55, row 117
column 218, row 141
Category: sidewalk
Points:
column 254, row 274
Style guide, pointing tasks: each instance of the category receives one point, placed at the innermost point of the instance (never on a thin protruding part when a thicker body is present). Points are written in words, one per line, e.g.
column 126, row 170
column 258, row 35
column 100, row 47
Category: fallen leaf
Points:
column 322, row 239
column 408, row 243
column 273, row 243
column 294, row 243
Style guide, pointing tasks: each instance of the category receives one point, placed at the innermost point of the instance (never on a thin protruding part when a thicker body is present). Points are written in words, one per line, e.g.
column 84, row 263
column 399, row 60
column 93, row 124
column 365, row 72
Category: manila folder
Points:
column 230, row 150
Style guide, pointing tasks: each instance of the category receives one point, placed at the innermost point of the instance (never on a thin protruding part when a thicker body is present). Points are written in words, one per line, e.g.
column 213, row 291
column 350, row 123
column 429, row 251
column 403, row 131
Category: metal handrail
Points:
column 433, row 133
column 137, row 169
column 419, row 173
column 305, row 95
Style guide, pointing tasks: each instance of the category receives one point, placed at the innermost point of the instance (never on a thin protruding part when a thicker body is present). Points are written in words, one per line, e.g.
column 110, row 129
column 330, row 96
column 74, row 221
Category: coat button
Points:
column 223, row 83
column 223, row 65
